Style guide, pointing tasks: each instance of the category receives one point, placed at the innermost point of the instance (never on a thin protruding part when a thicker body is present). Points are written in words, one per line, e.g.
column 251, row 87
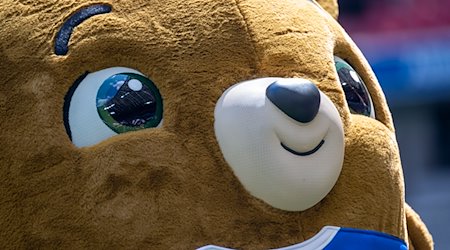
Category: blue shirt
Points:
column 336, row 238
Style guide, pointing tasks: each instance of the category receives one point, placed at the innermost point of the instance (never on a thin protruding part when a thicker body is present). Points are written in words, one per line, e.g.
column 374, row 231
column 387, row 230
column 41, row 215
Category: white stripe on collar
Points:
column 319, row 241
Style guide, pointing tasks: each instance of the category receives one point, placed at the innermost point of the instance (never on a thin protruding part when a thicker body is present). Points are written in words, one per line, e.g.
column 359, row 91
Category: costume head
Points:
column 247, row 124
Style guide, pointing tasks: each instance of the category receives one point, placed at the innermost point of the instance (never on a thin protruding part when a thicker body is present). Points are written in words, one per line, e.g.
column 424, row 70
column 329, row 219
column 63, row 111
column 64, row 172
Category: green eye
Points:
column 356, row 93
column 128, row 102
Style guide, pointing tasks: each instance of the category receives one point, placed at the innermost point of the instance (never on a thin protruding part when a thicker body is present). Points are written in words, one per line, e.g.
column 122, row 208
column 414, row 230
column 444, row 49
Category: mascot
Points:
column 194, row 124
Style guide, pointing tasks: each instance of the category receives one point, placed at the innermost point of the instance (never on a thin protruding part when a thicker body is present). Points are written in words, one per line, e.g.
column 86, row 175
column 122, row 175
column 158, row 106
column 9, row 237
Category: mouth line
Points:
column 303, row 153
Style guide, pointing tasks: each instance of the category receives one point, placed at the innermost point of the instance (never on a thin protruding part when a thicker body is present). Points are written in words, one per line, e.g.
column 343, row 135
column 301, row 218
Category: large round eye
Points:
column 358, row 98
column 108, row 102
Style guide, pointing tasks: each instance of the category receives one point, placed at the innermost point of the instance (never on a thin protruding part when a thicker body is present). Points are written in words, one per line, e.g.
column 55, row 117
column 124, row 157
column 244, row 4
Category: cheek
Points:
column 371, row 181
column 372, row 160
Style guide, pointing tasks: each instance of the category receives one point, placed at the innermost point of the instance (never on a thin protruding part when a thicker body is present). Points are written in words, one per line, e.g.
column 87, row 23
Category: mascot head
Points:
column 186, row 124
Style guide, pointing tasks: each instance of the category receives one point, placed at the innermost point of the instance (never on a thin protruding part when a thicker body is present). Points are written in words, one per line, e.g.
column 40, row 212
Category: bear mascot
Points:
column 194, row 124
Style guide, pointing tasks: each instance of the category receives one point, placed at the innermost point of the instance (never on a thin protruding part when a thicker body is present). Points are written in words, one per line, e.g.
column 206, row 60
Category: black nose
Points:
column 297, row 98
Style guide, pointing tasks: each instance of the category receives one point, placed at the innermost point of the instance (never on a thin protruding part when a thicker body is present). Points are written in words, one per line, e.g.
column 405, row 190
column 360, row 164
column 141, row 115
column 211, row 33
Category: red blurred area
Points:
column 361, row 16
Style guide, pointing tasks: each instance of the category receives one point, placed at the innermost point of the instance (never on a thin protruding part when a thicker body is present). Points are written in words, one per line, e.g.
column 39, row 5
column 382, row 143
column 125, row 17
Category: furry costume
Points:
column 170, row 187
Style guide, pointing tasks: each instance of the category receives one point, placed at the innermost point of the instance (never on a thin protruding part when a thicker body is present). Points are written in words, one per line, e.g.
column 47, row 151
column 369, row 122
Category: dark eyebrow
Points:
column 63, row 36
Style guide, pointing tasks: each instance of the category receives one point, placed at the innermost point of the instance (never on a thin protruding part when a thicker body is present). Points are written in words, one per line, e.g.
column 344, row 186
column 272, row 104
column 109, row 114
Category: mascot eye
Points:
column 109, row 102
column 356, row 93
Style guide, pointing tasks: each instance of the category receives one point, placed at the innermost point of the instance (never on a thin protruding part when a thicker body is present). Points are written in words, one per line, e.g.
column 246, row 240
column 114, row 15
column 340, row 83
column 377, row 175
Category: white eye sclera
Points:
column 109, row 102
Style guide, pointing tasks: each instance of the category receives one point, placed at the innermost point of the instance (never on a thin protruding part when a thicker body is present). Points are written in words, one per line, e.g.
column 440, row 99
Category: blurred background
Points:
column 407, row 42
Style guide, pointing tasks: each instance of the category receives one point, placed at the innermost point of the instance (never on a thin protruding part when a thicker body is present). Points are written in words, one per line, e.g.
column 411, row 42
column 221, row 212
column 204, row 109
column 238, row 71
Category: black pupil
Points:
column 130, row 107
column 357, row 97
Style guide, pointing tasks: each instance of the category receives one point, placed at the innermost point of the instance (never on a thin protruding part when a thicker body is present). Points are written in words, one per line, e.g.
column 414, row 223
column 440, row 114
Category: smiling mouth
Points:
column 303, row 153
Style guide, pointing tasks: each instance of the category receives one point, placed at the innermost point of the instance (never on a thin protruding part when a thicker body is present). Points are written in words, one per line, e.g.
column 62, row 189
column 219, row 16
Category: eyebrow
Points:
column 63, row 36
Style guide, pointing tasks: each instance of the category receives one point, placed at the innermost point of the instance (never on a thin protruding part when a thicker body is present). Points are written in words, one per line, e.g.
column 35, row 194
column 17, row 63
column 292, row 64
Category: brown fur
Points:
column 170, row 188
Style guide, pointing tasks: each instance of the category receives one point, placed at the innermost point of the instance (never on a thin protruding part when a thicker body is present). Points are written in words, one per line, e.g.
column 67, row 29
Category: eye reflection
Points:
column 356, row 93
column 128, row 102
